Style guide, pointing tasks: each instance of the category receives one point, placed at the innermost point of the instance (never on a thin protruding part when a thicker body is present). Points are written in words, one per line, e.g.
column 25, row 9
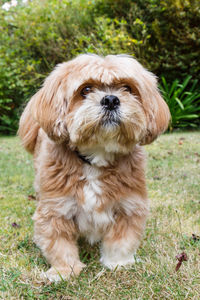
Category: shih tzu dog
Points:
column 85, row 128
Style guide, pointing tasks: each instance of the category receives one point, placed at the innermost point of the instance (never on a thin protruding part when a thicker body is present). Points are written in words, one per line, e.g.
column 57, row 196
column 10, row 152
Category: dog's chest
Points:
column 92, row 222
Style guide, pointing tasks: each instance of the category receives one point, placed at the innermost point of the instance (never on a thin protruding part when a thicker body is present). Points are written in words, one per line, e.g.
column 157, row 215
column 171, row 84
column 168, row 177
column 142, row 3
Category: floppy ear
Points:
column 49, row 105
column 28, row 129
column 155, row 108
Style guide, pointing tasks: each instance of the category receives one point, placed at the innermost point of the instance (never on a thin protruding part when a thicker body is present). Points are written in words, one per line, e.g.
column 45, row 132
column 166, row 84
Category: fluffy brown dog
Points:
column 85, row 127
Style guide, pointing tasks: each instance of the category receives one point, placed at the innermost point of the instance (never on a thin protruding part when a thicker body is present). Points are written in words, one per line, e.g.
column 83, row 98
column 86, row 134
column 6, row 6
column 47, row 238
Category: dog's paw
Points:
column 112, row 264
column 53, row 275
column 58, row 274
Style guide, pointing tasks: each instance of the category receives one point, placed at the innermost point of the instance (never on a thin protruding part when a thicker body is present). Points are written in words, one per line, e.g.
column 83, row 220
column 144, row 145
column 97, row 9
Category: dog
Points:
column 85, row 128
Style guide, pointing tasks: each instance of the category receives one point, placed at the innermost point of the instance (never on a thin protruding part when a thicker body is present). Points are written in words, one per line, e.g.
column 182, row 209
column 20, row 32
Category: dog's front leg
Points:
column 56, row 237
column 122, row 240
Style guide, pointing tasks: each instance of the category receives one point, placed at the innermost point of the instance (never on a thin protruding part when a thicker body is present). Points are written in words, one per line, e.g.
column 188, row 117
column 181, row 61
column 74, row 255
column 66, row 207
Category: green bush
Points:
column 37, row 36
column 167, row 31
column 34, row 38
column 163, row 35
column 183, row 102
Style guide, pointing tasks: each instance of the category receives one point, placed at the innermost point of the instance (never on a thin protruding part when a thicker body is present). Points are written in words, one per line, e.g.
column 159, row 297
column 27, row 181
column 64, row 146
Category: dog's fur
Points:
column 89, row 162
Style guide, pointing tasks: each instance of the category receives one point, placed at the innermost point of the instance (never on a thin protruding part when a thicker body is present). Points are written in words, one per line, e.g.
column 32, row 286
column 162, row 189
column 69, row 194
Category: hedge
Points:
column 35, row 36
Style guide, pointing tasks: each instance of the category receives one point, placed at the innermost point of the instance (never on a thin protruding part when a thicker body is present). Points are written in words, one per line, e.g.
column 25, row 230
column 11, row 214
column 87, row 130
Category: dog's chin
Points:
column 110, row 120
column 107, row 138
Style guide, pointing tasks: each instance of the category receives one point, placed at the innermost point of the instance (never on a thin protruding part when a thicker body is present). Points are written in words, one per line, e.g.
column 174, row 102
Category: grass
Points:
column 173, row 179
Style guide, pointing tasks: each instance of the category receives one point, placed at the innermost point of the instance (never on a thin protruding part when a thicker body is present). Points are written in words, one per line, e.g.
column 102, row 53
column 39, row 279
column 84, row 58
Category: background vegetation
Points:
column 35, row 36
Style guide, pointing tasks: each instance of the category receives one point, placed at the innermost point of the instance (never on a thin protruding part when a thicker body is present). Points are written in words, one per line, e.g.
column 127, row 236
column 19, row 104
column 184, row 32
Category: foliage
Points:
column 183, row 102
column 35, row 36
column 168, row 32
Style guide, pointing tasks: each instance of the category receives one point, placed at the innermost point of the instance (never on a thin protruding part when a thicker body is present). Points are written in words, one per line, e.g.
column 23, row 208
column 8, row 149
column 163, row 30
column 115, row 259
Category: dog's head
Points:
column 93, row 102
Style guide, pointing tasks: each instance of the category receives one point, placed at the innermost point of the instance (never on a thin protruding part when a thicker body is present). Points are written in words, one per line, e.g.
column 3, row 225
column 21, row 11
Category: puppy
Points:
column 85, row 128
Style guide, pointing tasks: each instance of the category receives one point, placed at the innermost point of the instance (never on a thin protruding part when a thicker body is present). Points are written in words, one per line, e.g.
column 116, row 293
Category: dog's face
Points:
column 92, row 102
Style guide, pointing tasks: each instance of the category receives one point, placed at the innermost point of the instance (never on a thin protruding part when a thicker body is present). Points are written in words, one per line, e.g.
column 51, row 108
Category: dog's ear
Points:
column 49, row 105
column 28, row 129
column 155, row 108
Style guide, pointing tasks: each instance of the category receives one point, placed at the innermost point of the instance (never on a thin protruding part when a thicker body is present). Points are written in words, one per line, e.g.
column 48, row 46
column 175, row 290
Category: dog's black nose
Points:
column 110, row 102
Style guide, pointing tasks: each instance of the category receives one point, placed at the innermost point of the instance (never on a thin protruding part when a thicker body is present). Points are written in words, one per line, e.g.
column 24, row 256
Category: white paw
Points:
column 52, row 275
column 55, row 275
column 117, row 262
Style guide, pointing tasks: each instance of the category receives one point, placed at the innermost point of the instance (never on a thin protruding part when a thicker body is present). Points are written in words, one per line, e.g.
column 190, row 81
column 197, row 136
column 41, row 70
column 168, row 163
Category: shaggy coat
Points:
column 88, row 158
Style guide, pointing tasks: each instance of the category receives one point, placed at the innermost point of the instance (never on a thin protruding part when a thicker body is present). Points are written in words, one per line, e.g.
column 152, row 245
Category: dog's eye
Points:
column 127, row 88
column 86, row 90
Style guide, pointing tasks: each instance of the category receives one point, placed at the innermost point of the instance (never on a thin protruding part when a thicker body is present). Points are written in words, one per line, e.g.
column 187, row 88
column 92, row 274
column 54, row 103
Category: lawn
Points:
column 173, row 227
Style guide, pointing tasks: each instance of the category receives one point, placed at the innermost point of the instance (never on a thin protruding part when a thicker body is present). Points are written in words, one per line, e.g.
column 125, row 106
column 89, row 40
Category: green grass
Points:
column 173, row 178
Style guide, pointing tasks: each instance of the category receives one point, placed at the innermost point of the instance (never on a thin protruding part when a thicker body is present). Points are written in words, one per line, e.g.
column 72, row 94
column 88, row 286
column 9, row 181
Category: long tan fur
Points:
column 89, row 163
column 28, row 129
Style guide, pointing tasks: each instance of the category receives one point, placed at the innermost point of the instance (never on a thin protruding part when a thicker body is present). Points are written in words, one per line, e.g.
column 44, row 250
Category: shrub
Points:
column 34, row 38
column 183, row 102
column 163, row 35
column 37, row 36
column 168, row 32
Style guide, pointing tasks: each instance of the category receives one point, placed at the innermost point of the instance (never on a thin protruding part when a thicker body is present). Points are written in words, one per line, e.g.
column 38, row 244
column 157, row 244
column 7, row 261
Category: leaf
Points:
column 183, row 102
column 174, row 85
column 187, row 117
column 181, row 257
column 15, row 225
column 185, row 82
column 179, row 102
column 31, row 197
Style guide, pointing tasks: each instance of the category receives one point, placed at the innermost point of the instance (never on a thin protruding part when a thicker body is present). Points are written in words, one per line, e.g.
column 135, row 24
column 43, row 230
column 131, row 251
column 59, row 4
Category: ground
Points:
column 173, row 227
